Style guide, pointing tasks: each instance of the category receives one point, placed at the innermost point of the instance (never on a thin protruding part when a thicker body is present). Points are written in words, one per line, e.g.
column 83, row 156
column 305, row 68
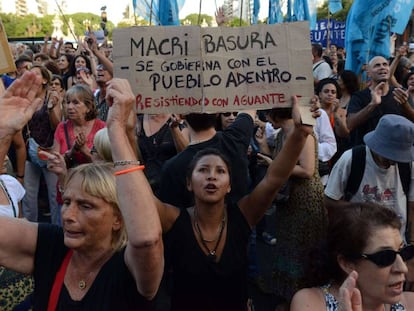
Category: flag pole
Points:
column 199, row 13
column 328, row 39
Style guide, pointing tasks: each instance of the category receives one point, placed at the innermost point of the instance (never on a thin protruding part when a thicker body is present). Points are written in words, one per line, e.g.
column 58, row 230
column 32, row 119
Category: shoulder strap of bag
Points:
column 357, row 171
column 57, row 284
column 317, row 66
column 405, row 176
column 3, row 186
column 65, row 127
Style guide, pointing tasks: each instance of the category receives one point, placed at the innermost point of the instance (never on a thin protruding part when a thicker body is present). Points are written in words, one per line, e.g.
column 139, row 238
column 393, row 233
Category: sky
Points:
column 115, row 8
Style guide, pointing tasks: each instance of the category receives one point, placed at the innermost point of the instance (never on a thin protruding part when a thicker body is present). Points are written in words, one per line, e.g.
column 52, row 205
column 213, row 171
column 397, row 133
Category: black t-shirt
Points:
column 359, row 101
column 233, row 142
column 199, row 283
column 113, row 289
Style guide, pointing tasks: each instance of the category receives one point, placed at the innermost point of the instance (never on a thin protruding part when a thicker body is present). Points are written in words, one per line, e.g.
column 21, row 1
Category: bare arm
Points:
column 144, row 253
column 402, row 97
column 21, row 155
column 17, row 106
column 306, row 164
column 256, row 203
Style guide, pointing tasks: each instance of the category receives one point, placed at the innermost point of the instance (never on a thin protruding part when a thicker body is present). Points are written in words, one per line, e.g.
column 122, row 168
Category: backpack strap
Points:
column 357, row 171
column 405, row 176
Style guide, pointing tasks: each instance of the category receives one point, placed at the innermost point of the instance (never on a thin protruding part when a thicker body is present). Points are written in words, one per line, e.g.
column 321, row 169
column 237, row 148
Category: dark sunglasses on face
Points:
column 227, row 114
column 387, row 257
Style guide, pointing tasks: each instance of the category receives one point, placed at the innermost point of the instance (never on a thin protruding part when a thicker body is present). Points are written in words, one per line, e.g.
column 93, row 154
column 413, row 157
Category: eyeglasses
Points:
column 387, row 257
column 228, row 114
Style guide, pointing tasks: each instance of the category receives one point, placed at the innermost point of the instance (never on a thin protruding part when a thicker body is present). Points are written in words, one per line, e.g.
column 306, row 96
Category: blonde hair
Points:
column 99, row 181
column 103, row 145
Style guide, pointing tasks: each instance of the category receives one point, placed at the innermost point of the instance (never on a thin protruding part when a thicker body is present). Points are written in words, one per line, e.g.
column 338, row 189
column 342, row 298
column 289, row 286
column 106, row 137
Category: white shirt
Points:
column 326, row 137
column 16, row 192
column 378, row 185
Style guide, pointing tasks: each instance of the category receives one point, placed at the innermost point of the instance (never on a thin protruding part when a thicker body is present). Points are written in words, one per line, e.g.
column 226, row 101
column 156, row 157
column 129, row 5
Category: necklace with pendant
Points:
column 211, row 252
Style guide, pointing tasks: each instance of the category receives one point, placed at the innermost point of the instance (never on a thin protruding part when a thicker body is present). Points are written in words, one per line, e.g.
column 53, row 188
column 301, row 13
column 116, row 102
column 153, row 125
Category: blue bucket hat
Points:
column 393, row 138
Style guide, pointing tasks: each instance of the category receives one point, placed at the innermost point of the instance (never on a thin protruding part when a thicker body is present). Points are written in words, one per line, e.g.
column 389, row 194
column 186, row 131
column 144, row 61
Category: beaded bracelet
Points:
column 129, row 170
column 126, row 162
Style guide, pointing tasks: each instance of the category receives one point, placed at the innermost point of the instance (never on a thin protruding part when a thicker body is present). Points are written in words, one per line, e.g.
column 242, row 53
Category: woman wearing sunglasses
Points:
column 365, row 238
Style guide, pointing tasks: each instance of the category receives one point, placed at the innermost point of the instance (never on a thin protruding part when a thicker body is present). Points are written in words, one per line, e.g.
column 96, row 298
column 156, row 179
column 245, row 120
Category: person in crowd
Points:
column 233, row 142
column 74, row 137
column 369, row 105
column 320, row 68
column 348, row 82
column 63, row 64
column 99, row 213
column 329, row 94
column 206, row 243
column 160, row 137
column 408, row 84
column 381, row 182
column 300, row 215
column 38, row 134
column 23, row 63
column 326, row 144
column 103, row 75
column 79, row 61
column 364, row 253
column 56, row 85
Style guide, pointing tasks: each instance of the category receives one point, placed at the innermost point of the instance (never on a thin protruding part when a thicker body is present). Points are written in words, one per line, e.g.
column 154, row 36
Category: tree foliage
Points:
column 322, row 12
column 193, row 19
column 34, row 26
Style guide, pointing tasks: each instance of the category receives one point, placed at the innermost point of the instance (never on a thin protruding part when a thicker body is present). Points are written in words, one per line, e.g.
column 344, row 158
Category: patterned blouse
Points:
column 332, row 303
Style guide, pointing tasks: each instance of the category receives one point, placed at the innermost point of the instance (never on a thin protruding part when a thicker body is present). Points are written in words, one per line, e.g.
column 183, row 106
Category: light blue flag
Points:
column 401, row 12
column 312, row 13
column 168, row 13
column 368, row 29
column 301, row 10
column 335, row 6
column 256, row 9
column 275, row 12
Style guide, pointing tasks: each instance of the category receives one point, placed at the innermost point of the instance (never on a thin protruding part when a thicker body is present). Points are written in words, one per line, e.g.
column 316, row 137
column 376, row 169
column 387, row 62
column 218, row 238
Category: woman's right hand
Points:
column 55, row 162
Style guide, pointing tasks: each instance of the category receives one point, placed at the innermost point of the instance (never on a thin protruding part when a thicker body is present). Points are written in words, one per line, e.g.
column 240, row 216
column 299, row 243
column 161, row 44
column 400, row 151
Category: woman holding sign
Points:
column 206, row 243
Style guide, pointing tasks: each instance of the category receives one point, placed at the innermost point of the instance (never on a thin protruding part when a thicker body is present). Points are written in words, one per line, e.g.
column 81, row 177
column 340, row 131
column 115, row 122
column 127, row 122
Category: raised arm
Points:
column 144, row 252
column 256, row 203
column 17, row 106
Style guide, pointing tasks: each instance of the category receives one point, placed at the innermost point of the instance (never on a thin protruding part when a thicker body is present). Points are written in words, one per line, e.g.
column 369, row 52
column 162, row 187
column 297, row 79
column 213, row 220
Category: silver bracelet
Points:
column 126, row 162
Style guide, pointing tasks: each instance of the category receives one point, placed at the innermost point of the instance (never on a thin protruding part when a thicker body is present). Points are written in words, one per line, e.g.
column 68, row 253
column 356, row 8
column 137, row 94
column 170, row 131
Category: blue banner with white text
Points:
column 336, row 33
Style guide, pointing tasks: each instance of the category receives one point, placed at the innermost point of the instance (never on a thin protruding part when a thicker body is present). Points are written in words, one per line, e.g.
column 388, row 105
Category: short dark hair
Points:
column 350, row 80
column 201, row 121
column 283, row 113
column 206, row 152
column 326, row 81
column 350, row 230
column 317, row 49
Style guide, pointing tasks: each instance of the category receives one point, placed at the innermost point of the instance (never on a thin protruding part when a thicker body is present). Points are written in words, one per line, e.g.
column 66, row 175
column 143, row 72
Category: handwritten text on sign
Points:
column 192, row 69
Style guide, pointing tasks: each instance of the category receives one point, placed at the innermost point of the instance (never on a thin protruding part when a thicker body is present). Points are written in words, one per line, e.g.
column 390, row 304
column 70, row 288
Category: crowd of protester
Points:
column 164, row 203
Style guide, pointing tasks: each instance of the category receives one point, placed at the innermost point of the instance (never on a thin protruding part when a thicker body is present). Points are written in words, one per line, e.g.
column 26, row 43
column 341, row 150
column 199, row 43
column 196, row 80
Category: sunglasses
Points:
column 228, row 114
column 387, row 257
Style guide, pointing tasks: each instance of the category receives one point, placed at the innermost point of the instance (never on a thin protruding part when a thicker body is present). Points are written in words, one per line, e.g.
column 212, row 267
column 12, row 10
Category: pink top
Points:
column 61, row 139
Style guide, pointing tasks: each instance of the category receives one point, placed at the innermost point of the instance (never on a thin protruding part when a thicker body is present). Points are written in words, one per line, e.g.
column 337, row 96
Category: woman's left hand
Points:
column 349, row 295
column 120, row 99
column 306, row 129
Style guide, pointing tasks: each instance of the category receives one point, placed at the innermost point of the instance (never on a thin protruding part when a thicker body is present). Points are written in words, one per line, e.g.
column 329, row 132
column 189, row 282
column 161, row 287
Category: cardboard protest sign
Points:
column 191, row 69
column 6, row 58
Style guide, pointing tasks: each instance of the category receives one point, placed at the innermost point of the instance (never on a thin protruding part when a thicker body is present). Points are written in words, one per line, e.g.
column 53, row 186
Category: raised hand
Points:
column 18, row 103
